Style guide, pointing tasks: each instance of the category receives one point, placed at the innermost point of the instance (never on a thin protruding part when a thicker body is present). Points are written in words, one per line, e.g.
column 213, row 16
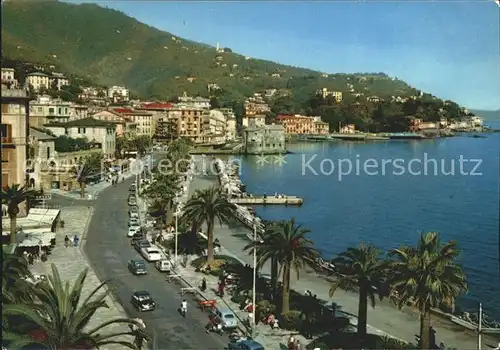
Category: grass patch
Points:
column 219, row 261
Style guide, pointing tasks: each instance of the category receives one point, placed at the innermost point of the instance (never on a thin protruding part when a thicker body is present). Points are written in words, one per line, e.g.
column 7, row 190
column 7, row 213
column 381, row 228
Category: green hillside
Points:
column 108, row 47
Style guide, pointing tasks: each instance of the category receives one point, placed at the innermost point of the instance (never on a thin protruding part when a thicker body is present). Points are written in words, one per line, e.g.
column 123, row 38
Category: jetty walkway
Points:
column 265, row 200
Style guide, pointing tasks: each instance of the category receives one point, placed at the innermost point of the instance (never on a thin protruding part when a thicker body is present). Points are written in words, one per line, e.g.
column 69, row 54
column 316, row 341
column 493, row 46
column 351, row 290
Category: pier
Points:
column 266, row 200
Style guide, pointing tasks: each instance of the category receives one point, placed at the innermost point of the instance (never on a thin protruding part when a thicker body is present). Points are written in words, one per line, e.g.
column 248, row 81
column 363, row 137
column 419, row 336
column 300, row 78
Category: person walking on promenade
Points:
column 66, row 241
column 291, row 343
column 75, row 241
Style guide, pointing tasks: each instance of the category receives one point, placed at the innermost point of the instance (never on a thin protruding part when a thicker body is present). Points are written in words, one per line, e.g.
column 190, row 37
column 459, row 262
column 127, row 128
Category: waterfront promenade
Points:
column 383, row 319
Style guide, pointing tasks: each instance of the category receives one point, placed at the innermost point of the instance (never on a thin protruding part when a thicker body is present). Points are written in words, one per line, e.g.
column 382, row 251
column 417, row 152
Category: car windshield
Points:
column 133, row 209
column 139, row 263
column 145, row 244
column 228, row 316
column 153, row 251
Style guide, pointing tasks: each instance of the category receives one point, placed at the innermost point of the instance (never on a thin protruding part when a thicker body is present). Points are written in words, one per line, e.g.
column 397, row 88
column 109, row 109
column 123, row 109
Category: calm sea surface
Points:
column 389, row 210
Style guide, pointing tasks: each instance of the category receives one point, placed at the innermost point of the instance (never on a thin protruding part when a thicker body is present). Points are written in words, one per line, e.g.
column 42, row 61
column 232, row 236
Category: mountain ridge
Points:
column 113, row 48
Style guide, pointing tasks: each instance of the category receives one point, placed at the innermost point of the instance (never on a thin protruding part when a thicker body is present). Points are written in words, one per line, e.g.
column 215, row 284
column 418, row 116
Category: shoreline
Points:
column 384, row 319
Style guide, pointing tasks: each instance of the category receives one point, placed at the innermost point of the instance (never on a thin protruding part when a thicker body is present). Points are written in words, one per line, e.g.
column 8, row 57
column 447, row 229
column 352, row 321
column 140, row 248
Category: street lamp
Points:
column 254, row 292
column 176, row 214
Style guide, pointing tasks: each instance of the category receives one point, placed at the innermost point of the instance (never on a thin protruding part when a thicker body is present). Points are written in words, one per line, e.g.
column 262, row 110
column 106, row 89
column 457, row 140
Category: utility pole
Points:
column 254, row 287
column 479, row 326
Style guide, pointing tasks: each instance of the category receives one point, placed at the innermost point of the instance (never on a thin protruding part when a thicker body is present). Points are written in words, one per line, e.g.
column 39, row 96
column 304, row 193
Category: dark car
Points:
column 137, row 267
column 131, row 188
column 138, row 236
column 142, row 244
column 142, row 301
column 247, row 344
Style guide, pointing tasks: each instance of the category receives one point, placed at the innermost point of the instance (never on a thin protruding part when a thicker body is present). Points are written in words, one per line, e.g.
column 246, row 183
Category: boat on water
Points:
column 350, row 137
column 376, row 137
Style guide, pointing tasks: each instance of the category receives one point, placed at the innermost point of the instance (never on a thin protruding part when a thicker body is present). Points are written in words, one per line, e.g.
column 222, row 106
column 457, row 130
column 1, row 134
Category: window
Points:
column 5, row 108
column 59, row 110
column 51, row 111
column 48, row 152
column 5, row 156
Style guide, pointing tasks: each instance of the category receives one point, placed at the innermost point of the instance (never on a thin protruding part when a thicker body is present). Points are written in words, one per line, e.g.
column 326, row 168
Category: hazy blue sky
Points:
column 448, row 48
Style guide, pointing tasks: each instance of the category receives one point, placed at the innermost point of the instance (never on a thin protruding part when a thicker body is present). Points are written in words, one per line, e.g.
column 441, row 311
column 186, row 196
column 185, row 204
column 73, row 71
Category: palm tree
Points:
column 360, row 268
column 162, row 192
column 288, row 245
column 89, row 168
column 12, row 196
column 263, row 251
column 15, row 270
column 62, row 321
column 208, row 206
column 426, row 275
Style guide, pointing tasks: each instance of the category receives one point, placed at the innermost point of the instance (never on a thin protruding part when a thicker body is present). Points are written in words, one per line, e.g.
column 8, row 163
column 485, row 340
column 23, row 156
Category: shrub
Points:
column 238, row 299
column 291, row 320
column 215, row 266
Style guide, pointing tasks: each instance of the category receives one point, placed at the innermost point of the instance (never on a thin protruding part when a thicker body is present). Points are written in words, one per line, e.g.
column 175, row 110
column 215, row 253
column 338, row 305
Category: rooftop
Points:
column 158, row 106
column 41, row 135
column 90, row 122
column 37, row 74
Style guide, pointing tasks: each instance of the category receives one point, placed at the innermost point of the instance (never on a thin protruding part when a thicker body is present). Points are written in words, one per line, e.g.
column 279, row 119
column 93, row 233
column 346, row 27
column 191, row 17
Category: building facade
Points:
column 38, row 80
column 124, row 126
column 14, row 133
column 118, row 94
column 43, row 153
column 100, row 133
column 45, row 110
column 214, row 127
column 269, row 139
column 324, row 93
column 303, row 125
column 143, row 120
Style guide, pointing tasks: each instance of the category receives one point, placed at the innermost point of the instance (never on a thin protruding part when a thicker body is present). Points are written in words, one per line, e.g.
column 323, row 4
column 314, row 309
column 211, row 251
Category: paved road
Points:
column 108, row 250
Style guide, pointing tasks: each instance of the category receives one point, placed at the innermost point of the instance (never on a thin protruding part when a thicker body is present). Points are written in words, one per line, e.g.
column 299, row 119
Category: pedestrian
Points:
column 203, row 284
column 66, row 241
column 75, row 241
column 30, row 259
column 291, row 343
column 298, row 345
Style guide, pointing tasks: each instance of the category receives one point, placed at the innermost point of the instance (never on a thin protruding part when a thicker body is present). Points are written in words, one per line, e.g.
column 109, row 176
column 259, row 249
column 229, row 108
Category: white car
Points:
column 163, row 265
column 151, row 254
column 132, row 230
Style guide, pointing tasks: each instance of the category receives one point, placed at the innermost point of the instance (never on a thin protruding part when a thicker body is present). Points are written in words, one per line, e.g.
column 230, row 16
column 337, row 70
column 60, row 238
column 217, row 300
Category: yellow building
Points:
column 38, row 80
column 15, row 133
column 324, row 92
column 303, row 125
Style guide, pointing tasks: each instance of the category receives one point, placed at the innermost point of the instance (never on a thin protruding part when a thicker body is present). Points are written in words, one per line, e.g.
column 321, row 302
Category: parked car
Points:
column 132, row 201
column 151, row 254
column 133, row 222
column 132, row 188
column 132, row 230
column 137, row 237
column 142, row 301
column 163, row 265
column 142, row 244
column 245, row 344
column 137, row 267
column 133, row 212
column 229, row 320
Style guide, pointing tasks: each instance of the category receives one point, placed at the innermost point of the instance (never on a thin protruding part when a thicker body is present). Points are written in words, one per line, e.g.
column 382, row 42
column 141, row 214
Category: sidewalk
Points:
column 70, row 262
column 384, row 319
column 91, row 191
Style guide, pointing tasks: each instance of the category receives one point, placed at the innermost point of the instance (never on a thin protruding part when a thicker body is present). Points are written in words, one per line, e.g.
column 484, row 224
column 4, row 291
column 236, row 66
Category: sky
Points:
column 448, row 48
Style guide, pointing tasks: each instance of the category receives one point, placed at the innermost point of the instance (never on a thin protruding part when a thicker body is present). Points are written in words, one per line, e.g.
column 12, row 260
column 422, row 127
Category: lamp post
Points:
column 254, row 292
column 176, row 214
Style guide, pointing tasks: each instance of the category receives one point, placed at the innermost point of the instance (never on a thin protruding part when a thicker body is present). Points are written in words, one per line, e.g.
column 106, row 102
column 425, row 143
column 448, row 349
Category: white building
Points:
column 59, row 80
column 95, row 131
column 118, row 93
column 7, row 74
column 214, row 127
column 193, row 102
column 38, row 80
column 46, row 110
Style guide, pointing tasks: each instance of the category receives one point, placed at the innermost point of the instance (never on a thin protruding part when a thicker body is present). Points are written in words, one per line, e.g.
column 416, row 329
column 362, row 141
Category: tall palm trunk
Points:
column 13, row 228
column 210, row 241
column 82, row 189
column 362, row 311
column 285, row 305
column 274, row 273
column 425, row 323
column 169, row 212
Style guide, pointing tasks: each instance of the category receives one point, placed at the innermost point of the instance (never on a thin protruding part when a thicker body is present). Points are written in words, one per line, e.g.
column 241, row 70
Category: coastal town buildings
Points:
column 45, row 110
column 303, row 125
column 38, row 80
column 118, row 94
column 14, row 135
column 254, row 120
column 124, row 126
column 8, row 77
column 142, row 119
column 42, row 159
column 253, row 106
column 324, row 93
column 100, row 134
column 347, row 129
column 41, row 80
column 268, row 139
column 186, row 101
column 214, row 127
